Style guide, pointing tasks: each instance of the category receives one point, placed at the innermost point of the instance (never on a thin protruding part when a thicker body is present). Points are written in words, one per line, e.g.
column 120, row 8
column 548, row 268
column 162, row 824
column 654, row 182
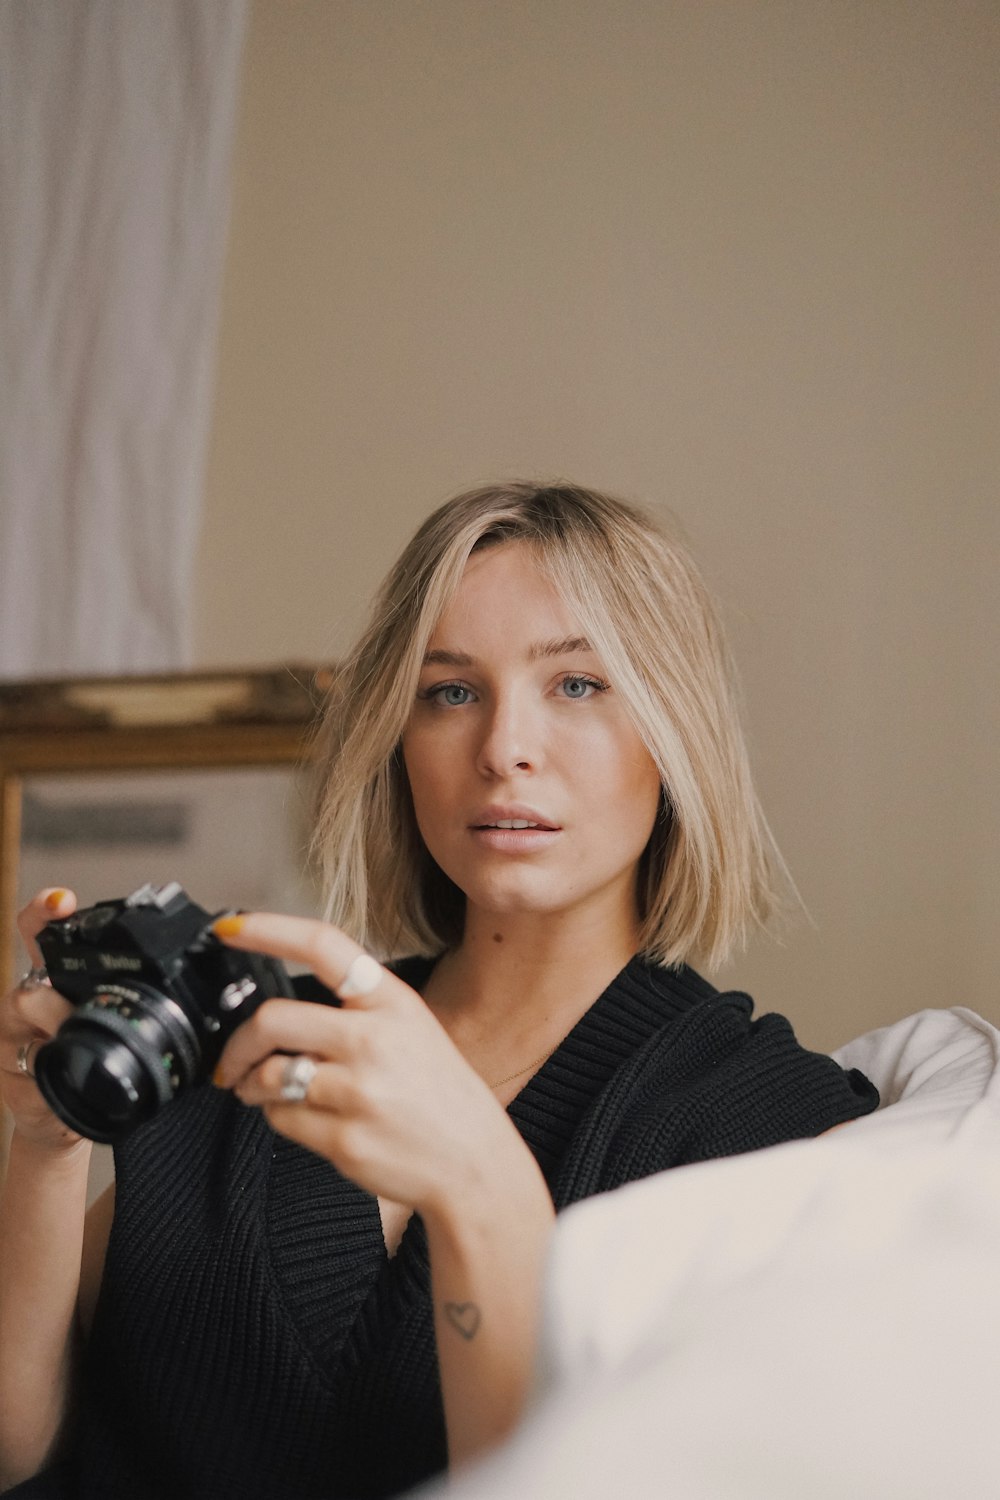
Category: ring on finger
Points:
column 35, row 976
column 363, row 976
column 23, row 1054
column 297, row 1075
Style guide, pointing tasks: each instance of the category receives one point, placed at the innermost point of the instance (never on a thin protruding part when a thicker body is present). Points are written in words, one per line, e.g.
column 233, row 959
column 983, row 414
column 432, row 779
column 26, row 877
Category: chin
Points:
column 506, row 899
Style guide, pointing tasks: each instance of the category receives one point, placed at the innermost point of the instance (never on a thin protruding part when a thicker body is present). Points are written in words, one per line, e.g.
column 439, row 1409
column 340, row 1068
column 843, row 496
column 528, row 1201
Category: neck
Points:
column 525, row 980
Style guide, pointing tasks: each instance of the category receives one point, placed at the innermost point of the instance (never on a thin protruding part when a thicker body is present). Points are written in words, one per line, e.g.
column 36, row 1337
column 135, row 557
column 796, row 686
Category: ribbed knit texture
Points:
column 253, row 1340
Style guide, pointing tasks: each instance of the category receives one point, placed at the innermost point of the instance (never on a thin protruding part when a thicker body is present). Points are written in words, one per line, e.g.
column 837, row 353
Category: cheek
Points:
column 638, row 790
column 427, row 772
column 625, row 763
column 416, row 768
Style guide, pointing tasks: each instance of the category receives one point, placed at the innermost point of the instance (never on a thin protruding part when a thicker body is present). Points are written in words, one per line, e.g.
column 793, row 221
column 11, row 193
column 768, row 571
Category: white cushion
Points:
column 938, row 1063
column 819, row 1318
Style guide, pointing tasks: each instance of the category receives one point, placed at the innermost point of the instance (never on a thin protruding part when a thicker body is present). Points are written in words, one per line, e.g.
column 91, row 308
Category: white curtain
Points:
column 116, row 127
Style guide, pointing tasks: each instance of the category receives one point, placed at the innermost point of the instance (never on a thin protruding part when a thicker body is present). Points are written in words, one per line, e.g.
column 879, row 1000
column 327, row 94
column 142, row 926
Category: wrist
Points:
column 71, row 1156
column 487, row 1258
column 500, row 1186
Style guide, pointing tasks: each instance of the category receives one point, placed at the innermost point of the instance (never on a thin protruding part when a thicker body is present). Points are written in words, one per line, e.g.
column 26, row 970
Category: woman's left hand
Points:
column 392, row 1103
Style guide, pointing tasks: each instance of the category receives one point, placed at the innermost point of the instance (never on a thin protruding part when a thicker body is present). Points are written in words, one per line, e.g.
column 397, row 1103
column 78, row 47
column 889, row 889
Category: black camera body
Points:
column 157, row 996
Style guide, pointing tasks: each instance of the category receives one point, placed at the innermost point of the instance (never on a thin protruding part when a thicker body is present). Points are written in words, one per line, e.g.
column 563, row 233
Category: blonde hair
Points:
column 709, row 873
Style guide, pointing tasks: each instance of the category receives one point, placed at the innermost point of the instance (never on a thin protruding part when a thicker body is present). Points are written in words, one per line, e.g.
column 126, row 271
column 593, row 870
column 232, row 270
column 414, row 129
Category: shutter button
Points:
column 234, row 995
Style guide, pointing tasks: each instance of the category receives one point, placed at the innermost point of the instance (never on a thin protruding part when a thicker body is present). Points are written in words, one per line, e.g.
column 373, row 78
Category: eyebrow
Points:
column 569, row 645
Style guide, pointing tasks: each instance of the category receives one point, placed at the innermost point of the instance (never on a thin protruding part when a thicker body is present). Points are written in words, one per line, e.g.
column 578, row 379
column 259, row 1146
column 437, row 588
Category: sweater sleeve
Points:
column 715, row 1083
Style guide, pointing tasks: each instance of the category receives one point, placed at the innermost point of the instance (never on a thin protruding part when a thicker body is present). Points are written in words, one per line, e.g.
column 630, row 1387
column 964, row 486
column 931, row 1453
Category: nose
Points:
column 510, row 739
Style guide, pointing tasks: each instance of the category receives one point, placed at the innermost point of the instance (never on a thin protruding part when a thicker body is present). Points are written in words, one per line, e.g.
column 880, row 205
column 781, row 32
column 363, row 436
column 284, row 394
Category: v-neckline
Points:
column 340, row 1287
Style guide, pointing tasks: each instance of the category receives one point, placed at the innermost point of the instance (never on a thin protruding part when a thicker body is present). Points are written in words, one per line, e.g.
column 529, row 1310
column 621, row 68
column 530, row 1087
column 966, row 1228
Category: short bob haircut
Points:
column 709, row 873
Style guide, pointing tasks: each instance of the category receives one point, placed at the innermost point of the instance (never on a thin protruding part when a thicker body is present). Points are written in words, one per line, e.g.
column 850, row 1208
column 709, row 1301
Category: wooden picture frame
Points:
column 170, row 722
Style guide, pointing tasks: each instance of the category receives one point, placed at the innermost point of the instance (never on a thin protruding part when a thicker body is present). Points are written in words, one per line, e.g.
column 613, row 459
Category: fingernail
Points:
column 219, row 1077
column 54, row 900
column 227, row 927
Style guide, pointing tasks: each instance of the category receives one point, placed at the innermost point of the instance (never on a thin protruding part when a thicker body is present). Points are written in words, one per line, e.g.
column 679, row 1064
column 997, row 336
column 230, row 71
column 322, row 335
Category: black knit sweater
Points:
column 254, row 1340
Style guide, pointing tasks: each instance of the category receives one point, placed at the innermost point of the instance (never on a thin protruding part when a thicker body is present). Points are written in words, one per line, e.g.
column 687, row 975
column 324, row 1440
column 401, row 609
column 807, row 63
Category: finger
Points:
column 50, row 903
column 318, row 1130
column 286, row 1026
column 24, row 1060
column 331, row 1087
column 332, row 956
column 27, row 1048
column 32, row 1011
column 39, row 1012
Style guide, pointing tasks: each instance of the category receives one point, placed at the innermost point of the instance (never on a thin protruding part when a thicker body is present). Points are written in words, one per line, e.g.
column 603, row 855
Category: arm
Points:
column 42, row 1217
column 487, row 1243
column 41, row 1246
column 395, row 1106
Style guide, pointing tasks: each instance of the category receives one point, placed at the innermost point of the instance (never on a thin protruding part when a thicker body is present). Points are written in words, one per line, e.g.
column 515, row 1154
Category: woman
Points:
column 537, row 809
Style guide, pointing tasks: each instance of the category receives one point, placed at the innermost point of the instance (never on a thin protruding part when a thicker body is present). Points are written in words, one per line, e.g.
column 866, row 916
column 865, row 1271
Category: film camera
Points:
column 157, row 997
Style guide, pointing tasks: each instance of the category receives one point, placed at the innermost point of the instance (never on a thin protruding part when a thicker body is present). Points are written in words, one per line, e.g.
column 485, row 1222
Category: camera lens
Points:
column 116, row 1061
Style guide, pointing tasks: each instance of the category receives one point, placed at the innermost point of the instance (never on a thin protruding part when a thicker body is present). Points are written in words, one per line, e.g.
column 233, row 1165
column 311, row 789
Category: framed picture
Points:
column 204, row 778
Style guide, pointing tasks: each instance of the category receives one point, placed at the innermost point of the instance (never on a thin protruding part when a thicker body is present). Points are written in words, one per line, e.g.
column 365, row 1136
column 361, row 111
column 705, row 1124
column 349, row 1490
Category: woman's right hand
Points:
column 29, row 1015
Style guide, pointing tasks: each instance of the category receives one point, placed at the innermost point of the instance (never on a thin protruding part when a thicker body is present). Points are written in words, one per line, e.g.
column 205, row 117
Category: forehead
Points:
column 505, row 594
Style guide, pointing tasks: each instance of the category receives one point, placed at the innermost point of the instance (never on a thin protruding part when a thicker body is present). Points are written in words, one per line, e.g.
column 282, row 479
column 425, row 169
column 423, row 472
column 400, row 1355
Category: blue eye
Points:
column 582, row 687
column 448, row 694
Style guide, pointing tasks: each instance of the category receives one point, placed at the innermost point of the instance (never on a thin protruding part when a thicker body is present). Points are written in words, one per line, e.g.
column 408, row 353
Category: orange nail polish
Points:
column 227, row 927
column 218, row 1078
column 54, row 900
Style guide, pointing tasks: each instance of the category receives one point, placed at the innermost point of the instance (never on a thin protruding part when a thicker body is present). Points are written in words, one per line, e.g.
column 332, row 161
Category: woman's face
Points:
column 531, row 787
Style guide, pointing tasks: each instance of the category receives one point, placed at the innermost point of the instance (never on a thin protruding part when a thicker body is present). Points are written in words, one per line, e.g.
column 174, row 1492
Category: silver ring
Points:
column 23, row 1053
column 363, row 976
column 298, row 1074
column 35, row 976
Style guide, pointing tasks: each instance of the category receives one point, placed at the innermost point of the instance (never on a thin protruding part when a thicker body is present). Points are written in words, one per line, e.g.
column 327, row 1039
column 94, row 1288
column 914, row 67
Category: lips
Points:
column 513, row 822
column 513, row 818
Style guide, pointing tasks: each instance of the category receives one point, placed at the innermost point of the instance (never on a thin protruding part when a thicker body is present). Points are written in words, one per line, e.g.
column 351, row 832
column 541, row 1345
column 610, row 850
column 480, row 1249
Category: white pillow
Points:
column 938, row 1062
column 819, row 1318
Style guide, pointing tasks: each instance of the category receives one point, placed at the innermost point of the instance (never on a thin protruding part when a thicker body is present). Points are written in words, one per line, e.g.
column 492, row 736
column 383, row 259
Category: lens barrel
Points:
column 117, row 1061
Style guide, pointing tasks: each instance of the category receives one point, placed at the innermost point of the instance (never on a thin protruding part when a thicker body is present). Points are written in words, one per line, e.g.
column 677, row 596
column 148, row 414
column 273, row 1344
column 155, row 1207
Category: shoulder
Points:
column 713, row 1081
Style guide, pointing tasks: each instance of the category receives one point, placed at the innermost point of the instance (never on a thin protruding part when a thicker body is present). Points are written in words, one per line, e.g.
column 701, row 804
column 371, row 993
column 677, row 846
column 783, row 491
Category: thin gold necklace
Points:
column 533, row 1064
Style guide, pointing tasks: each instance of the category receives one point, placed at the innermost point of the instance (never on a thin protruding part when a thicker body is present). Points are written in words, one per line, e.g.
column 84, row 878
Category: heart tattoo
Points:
column 464, row 1317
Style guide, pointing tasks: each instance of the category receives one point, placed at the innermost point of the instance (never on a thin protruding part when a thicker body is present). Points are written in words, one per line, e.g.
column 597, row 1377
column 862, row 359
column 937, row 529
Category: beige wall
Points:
column 734, row 258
